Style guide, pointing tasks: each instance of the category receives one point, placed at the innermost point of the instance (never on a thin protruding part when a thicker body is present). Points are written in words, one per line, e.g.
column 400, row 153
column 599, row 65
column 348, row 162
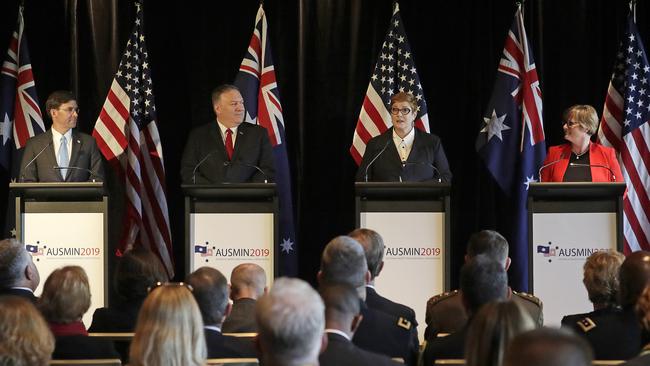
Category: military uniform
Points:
column 613, row 334
column 376, row 301
column 446, row 313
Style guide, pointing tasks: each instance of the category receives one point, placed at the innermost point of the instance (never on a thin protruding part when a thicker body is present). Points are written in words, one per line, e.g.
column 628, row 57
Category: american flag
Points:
column 395, row 72
column 127, row 135
column 624, row 126
column 256, row 80
column 511, row 142
column 19, row 108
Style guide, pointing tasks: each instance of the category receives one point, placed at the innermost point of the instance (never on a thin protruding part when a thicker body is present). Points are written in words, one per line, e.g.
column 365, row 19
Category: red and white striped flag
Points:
column 127, row 134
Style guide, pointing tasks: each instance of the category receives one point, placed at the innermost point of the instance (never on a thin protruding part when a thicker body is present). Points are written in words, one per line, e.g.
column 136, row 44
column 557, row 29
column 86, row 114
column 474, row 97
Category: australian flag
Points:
column 511, row 142
column 256, row 80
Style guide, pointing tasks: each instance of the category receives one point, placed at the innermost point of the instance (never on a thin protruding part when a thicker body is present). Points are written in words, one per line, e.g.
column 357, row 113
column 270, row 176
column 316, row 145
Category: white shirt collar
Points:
column 336, row 331
column 213, row 327
column 56, row 135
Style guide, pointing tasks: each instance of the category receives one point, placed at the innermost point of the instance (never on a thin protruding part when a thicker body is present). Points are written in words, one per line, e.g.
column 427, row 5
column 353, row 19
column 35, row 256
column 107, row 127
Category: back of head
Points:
column 489, row 243
column 211, row 294
column 169, row 330
column 66, row 295
column 601, row 277
column 291, row 323
column 344, row 262
column 482, row 280
column 247, row 279
column 373, row 247
column 548, row 347
column 634, row 275
column 25, row 337
column 136, row 271
column 13, row 260
column 493, row 326
column 341, row 304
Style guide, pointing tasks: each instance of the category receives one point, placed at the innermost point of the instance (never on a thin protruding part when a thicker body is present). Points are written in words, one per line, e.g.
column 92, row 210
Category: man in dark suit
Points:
column 247, row 284
column 210, row 289
column 373, row 247
column 342, row 318
column 61, row 154
column 548, row 347
column 404, row 153
column 229, row 151
column 18, row 274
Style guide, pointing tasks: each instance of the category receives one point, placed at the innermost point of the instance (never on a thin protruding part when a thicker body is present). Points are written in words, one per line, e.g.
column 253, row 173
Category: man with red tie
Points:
column 231, row 151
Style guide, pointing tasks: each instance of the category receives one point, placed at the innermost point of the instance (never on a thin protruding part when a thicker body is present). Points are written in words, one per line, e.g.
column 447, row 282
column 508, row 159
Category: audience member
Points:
column 18, row 274
column 25, row 338
column 643, row 312
column 291, row 322
column 601, row 279
column 548, row 347
column 482, row 280
column 445, row 312
column 344, row 262
column 247, row 284
column 169, row 330
column 493, row 326
column 210, row 290
column 64, row 301
column 373, row 247
column 342, row 318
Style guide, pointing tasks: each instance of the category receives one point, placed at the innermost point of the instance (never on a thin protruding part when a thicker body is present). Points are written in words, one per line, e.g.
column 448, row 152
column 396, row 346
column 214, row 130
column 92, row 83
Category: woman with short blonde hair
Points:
column 25, row 338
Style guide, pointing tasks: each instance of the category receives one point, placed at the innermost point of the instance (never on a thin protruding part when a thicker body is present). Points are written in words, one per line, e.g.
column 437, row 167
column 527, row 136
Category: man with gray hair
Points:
column 210, row 290
column 247, row 284
column 291, row 321
column 18, row 273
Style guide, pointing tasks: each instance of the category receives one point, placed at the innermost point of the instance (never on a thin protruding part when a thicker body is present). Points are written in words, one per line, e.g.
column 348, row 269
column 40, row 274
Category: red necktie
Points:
column 229, row 147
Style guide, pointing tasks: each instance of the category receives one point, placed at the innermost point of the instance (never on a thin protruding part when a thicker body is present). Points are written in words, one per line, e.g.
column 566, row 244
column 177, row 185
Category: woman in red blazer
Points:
column 581, row 160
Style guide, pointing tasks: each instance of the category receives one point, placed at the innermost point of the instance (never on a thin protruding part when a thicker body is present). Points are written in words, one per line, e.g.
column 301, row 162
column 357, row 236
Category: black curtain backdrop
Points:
column 325, row 51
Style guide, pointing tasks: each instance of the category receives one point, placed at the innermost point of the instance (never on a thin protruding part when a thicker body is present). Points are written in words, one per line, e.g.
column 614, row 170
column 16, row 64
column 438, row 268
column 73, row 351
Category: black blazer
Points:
column 427, row 151
column 252, row 148
column 221, row 346
column 25, row 294
column 376, row 301
column 451, row 346
column 342, row 352
column 78, row 347
column 120, row 318
column 84, row 155
column 242, row 317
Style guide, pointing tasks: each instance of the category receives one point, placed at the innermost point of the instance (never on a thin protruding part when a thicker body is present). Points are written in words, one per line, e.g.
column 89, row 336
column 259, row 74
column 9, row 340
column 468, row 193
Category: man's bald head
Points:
column 247, row 280
column 634, row 275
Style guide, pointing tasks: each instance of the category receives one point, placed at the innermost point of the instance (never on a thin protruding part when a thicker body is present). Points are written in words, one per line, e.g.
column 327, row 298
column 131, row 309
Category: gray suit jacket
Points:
column 85, row 156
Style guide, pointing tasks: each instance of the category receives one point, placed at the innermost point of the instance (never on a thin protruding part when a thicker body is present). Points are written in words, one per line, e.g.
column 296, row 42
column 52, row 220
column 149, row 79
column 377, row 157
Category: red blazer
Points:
column 598, row 155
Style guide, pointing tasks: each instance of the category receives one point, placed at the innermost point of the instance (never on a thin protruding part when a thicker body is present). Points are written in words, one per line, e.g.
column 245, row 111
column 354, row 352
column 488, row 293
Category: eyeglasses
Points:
column 70, row 109
column 571, row 124
column 402, row 111
column 173, row 284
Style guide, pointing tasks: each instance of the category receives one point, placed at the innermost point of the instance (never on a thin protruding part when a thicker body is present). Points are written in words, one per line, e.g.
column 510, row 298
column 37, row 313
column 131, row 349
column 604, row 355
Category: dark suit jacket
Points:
column 221, row 346
column 241, row 318
column 252, row 148
column 342, row 352
column 451, row 346
column 25, row 294
column 84, row 155
column 376, row 301
column 598, row 155
column 427, row 151
column 119, row 318
column 76, row 347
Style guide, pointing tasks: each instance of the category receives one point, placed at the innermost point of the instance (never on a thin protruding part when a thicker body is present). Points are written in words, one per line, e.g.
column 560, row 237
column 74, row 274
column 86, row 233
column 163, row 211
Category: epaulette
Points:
column 442, row 296
column 404, row 323
column 532, row 298
column 586, row 324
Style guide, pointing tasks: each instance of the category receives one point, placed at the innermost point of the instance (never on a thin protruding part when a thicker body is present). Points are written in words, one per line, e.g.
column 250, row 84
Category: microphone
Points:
column 435, row 170
column 231, row 163
column 539, row 172
column 22, row 176
column 199, row 164
column 376, row 157
column 597, row 166
column 75, row 168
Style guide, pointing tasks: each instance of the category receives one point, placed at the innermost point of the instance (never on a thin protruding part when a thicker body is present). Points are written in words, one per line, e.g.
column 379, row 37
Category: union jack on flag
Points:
column 19, row 110
column 512, row 142
column 127, row 135
column 395, row 72
column 256, row 81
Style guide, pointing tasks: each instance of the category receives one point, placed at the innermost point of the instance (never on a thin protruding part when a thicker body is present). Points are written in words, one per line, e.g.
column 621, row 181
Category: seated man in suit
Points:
column 18, row 273
column 373, row 246
column 247, row 284
column 61, row 154
column 548, row 347
column 445, row 312
column 229, row 151
column 210, row 289
column 342, row 318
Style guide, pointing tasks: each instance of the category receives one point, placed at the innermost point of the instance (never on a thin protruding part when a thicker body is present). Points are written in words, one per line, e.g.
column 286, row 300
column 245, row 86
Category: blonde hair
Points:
column 66, row 295
column 493, row 326
column 169, row 330
column 601, row 276
column 585, row 115
column 25, row 337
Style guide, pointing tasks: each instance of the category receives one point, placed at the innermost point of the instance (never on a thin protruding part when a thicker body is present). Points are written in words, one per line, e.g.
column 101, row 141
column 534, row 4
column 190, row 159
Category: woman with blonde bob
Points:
column 491, row 329
column 25, row 338
column 169, row 330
